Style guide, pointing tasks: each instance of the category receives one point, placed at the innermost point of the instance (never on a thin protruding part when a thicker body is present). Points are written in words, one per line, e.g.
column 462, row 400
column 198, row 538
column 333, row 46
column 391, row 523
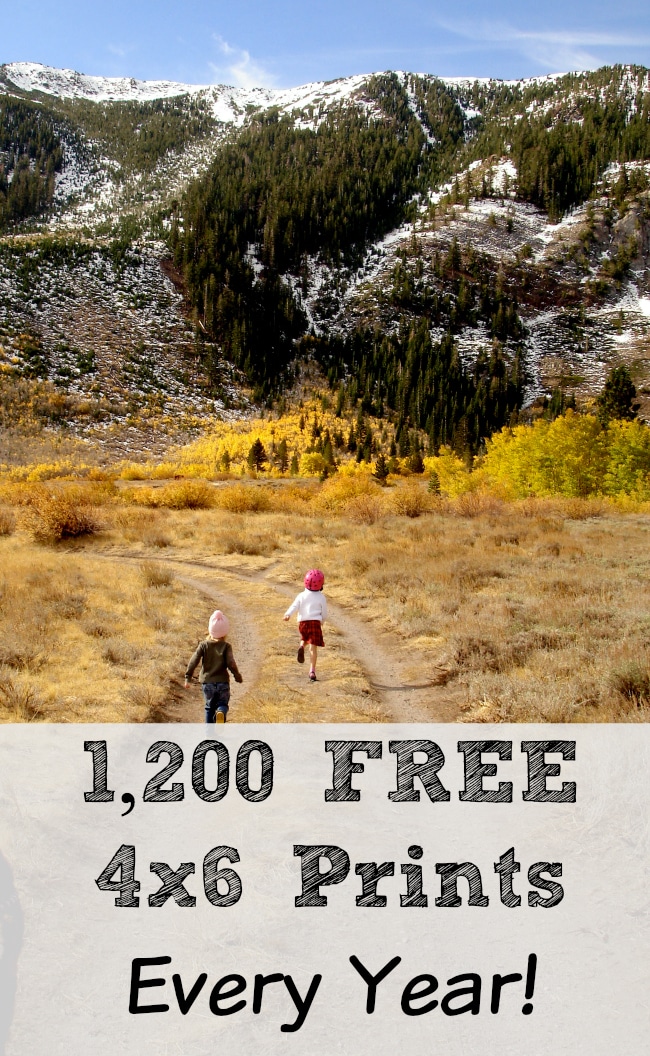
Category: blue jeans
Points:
column 217, row 695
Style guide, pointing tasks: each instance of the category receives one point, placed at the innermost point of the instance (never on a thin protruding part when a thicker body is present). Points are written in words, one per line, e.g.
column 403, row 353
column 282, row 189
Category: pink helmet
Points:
column 218, row 625
column 314, row 579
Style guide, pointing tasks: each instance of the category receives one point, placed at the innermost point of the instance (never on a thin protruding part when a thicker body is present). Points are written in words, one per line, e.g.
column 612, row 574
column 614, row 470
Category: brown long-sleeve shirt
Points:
column 216, row 659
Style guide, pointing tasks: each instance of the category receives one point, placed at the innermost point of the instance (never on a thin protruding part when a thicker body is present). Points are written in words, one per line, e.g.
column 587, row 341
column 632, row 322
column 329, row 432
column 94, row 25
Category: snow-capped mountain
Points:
column 88, row 164
column 228, row 104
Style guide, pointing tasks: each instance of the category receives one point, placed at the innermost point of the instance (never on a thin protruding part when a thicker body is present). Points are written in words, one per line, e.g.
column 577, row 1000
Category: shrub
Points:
column 134, row 523
column 163, row 471
column 242, row 499
column 154, row 575
column 99, row 625
column 127, row 518
column 40, row 471
column 134, row 471
column 475, row 503
column 15, row 494
column 337, row 493
column 294, row 498
column 157, row 539
column 118, row 652
column 149, row 703
column 21, row 651
column 53, row 516
column 20, row 701
column 94, row 493
column 410, row 501
column 632, row 682
column 254, row 544
column 7, row 522
column 187, row 495
column 365, row 509
column 142, row 497
column 581, row 509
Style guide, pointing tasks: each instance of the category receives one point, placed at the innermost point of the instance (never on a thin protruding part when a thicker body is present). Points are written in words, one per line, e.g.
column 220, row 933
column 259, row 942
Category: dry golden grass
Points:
column 531, row 611
column 80, row 634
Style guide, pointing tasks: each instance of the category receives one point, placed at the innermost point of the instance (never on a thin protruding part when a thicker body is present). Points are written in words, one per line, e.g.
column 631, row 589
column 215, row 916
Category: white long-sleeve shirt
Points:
column 310, row 605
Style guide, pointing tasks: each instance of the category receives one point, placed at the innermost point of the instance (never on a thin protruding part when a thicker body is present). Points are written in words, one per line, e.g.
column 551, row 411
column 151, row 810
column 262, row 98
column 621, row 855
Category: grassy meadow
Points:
column 473, row 607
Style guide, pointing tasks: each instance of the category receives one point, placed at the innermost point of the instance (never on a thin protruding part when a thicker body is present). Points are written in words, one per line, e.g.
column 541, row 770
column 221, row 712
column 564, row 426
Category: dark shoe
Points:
column 301, row 655
column 312, row 676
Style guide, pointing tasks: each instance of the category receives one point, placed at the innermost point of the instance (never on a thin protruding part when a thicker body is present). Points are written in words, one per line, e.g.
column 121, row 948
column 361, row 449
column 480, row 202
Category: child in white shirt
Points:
column 311, row 606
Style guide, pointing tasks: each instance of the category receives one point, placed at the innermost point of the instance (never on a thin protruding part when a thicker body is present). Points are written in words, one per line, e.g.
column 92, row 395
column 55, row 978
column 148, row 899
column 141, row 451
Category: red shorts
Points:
column 311, row 631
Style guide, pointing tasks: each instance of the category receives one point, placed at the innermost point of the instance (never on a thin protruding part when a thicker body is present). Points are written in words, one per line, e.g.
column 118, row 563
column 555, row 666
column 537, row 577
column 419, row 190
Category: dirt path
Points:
column 370, row 677
column 404, row 699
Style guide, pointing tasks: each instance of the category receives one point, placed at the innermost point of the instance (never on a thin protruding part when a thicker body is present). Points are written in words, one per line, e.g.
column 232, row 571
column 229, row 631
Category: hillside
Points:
column 448, row 251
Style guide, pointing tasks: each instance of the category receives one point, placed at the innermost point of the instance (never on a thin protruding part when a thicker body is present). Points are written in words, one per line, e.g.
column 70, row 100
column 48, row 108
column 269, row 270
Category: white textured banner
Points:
column 318, row 889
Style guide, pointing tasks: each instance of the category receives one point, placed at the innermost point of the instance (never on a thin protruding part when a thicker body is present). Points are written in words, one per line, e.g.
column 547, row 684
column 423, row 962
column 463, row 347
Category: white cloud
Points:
column 121, row 50
column 238, row 68
column 553, row 49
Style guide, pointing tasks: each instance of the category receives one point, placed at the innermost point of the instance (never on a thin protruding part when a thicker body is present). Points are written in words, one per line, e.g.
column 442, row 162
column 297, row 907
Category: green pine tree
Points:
column 434, row 483
column 617, row 398
column 282, row 456
column 381, row 468
column 416, row 463
column 257, row 455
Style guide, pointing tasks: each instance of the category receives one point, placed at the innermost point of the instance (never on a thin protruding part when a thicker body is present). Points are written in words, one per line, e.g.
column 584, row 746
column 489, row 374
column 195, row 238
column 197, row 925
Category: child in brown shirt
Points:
column 216, row 658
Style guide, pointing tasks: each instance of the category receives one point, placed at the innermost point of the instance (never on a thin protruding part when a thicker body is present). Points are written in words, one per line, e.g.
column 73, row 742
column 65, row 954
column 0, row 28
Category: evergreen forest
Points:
column 30, row 155
column 280, row 194
column 137, row 135
column 562, row 136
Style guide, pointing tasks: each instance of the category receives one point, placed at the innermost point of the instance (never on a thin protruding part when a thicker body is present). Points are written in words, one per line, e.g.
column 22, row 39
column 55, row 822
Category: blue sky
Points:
column 286, row 42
